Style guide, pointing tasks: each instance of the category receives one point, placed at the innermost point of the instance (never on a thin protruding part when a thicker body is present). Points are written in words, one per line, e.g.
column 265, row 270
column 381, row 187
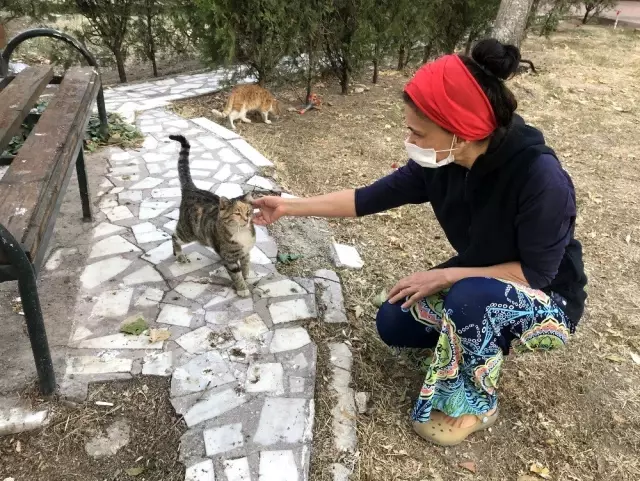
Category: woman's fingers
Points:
column 412, row 300
column 401, row 284
column 407, row 291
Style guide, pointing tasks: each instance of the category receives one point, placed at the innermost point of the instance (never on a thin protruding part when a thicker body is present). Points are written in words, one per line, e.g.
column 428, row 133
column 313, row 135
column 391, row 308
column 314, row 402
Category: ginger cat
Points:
column 247, row 98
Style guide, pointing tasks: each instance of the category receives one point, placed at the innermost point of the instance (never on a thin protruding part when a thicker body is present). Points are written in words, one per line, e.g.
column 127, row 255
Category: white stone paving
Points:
column 242, row 369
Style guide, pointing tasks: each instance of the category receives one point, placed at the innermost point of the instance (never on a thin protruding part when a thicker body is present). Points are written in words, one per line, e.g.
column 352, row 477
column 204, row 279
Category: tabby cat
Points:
column 223, row 224
column 247, row 98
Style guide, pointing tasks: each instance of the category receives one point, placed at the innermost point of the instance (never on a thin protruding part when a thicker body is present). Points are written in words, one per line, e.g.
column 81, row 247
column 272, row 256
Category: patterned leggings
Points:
column 470, row 328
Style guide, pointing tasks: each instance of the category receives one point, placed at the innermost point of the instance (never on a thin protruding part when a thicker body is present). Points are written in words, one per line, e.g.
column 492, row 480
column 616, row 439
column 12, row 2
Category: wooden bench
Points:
column 34, row 185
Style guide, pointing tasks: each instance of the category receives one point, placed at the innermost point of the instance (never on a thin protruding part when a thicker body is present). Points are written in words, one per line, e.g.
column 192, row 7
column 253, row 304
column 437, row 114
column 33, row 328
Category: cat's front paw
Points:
column 267, row 121
column 244, row 293
column 182, row 259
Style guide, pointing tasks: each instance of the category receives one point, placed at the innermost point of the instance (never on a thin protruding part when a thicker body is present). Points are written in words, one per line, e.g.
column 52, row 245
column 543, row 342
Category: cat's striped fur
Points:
column 223, row 224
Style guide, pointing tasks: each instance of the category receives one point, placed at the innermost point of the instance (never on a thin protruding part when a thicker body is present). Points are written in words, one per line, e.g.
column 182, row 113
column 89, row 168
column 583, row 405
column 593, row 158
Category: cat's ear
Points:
column 248, row 198
column 224, row 203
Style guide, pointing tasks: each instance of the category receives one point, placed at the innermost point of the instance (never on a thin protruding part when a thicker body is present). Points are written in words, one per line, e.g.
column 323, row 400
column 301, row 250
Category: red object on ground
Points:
column 447, row 93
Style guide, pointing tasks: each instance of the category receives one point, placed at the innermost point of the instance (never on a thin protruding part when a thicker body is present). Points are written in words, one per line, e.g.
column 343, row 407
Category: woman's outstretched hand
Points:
column 418, row 285
column 271, row 209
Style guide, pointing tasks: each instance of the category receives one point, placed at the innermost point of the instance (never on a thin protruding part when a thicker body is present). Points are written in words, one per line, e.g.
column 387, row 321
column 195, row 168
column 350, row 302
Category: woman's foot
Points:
column 448, row 431
column 464, row 421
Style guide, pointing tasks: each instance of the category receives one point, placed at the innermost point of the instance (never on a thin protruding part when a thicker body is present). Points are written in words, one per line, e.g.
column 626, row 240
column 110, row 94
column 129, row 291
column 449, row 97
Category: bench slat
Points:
column 18, row 98
column 36, row 180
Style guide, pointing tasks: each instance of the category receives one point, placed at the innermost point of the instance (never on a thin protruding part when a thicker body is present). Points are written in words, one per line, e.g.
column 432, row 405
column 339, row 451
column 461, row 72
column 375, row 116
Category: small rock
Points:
column 117, row 437
column 346, row 256
column 358, row 90
column 362, row 399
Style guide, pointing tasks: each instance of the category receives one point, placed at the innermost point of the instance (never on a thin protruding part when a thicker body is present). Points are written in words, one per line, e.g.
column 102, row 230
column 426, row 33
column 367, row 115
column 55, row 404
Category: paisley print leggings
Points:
column 466, row 331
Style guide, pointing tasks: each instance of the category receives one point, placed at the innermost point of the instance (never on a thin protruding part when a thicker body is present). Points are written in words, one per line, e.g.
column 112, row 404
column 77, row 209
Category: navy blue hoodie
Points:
column 516, row 203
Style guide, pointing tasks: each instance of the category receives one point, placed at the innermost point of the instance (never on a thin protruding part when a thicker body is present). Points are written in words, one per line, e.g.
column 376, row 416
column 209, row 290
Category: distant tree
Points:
column 257, row 33
column 108, row 24
column 345, row 37
column 593, row 8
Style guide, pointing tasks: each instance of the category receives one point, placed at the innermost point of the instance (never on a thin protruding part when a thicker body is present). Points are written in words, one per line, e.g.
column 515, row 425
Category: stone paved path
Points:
column 243, row 370
column 127, row 99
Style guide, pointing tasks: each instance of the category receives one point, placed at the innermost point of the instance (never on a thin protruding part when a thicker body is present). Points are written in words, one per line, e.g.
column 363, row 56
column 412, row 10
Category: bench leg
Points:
column 36, row 329
column 31, row 306
column 84, row 187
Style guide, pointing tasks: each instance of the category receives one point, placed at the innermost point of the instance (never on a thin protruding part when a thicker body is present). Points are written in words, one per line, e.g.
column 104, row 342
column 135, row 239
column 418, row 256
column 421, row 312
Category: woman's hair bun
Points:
column 499, row 59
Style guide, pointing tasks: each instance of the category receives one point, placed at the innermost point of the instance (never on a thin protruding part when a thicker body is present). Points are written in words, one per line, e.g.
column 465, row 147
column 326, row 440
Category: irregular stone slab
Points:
column 261, row 182
column 267, row 377
column 228, row 156
column 191, row 290
column 112, row 245
column 160, row 253
column 165, row 193
column 331, row 298
column 97, row 365
column 237, row 469
column 211, row 142
column 19, row 419
column 250, row 328
column 196, row 261
column 223, row 439
column 255, row 157
column 118, row 213
column 147, row 232
column 289, row 311
column 105, row 228
column 103, row 446
column 344, row 422
column 150, row 209
column 346, row 256
column 340, row 355
column 120, row 341
column 256, row 256
column 101, row 271
column 145, row 275
column 327, row 275
column 205, row 371
column 278, row 466
column 216, row 128
column 282, row 420
column 202, row 471
column 289, row 339
column 113, row 303
column 213, row 406
column 296, row 384
column 229, row 190
column 281, row 288
column 197, row 341
column 175, row 315
column 150, row 297
column 158, row 364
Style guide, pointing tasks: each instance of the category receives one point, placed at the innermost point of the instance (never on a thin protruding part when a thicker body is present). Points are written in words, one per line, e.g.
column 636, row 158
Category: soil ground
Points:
column 575, row 412
column 57, row 452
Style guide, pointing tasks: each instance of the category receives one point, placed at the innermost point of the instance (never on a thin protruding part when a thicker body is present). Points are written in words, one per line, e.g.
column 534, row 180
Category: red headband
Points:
column 446, row 92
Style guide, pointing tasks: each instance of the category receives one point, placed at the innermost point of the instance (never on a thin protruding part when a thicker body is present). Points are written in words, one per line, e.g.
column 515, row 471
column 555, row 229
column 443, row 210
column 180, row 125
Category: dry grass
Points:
column 576, row 412
column 57, row 451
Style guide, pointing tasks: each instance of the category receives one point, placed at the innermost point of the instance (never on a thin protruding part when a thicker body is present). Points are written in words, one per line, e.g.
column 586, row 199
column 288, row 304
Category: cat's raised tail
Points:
column 184, row 173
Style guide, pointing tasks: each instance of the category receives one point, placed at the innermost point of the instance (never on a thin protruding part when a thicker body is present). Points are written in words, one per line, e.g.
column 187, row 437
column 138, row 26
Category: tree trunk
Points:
column 122, row 73
column 309, row 74
column 401, row 54
column 376, row 61
column 469, row 43
column 344, row 80
column 152, row 40
column 426, row 52
column 533, row 13
column 511, row 21
column 3, row 36
column 585, row 19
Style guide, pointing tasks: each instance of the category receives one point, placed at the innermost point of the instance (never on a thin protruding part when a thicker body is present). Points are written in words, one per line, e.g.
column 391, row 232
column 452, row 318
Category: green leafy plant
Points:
column 122, row 133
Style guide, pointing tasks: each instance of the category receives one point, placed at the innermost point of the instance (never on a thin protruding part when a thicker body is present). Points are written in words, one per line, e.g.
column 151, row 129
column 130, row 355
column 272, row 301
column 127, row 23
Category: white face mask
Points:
column 427, row 157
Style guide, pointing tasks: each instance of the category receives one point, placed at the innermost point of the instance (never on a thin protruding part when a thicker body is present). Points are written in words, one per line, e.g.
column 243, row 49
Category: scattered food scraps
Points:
column 134, row 325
